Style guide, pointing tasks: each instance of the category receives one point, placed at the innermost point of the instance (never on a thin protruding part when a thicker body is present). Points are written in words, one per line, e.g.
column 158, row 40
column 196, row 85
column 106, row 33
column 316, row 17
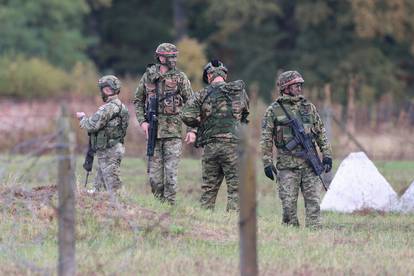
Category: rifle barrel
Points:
column 86, row 180
column 148, row 164
column 323, row 183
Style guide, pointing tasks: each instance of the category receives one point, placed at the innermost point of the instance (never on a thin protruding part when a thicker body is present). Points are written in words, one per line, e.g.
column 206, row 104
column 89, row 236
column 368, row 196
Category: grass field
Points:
column 139, row 236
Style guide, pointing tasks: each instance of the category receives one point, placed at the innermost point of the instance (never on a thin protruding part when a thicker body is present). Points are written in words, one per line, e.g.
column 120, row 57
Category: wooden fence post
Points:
column 351, row 108
column 66, row 194
column 327, row 111
column 247, row 194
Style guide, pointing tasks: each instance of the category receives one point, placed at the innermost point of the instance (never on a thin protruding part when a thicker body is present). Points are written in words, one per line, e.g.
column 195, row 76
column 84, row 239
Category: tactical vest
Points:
column 170, row 101
column 282, row 132
column 113, row 132
column 218, row 121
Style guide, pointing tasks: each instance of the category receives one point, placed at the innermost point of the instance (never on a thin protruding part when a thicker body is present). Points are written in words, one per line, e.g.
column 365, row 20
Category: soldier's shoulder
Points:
column 150, row 69
column 113, row 105
column 202, row 91
column 304, row 100
column 181, row 74
column 272, row 107
column 308, row 104
column 106, row 107
column 124, row 111
column 200, row 94
column 275, row 104
column 123, row 106
column 235, row 85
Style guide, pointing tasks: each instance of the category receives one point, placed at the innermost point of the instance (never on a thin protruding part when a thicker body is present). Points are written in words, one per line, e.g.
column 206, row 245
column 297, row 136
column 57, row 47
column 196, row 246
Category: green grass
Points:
column 150, row 238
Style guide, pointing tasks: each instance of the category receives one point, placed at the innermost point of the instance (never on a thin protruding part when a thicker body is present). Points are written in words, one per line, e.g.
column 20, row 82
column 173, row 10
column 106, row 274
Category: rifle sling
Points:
column 210, row 91
column 300, row 154
column 284, row 109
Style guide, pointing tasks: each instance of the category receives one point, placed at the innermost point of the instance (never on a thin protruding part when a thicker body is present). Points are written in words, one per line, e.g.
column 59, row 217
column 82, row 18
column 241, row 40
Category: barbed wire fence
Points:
column 32, row 175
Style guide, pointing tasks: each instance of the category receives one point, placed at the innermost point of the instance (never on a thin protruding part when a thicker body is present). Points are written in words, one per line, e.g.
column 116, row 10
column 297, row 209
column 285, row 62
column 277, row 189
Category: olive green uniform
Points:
column 217, row 111
column 294, row 173
column 107, row 128
column 175, row 91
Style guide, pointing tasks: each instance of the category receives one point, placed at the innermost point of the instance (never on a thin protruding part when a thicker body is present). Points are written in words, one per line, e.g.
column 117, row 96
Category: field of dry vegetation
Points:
column 134, row 234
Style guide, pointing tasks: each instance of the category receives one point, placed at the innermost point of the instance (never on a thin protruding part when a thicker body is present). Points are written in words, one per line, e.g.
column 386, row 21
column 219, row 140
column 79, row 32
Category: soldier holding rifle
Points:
column 294, row 126
column 106, row 129
column 159, row 97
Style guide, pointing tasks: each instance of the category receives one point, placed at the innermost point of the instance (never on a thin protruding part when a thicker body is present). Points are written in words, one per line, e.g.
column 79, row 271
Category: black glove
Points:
column 269, row 170
column 327, row 163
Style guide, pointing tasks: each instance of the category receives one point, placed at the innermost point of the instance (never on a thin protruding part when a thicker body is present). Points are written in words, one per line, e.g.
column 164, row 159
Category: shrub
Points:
column 31, row 78
column 84, row 79
column 192, row 60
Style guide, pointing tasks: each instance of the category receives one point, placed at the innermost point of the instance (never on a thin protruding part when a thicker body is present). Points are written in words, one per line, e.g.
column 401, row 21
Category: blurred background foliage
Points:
column 57, row 46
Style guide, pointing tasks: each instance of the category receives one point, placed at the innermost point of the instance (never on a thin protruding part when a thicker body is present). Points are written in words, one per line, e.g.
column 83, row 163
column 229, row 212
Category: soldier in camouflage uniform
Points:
column 175, row 90
column 218, row 111
column 293, row 172
column 107, row 129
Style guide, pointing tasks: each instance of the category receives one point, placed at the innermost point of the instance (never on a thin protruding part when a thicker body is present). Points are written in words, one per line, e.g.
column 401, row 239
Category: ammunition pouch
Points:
column 101, row 140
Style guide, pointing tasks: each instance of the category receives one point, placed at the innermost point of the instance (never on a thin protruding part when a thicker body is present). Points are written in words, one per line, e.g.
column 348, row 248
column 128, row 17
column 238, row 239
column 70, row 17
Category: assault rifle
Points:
column 152, row 119
column 309, row 152
column 88, row 164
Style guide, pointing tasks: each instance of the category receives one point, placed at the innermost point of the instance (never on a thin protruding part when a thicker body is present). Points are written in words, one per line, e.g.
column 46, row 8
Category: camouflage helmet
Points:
column 166, row 49
column 288, row 78
column 215, row 67
column 110, row 80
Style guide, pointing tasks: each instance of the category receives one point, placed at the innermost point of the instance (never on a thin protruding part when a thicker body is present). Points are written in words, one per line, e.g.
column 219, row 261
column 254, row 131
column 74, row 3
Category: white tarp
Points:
column 407, row 200
column 359, row 185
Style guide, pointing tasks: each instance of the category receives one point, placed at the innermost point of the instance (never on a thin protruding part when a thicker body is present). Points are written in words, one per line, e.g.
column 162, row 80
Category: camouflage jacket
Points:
column 108, row 125
column 217, row 111
column 275, row 131
column 175, row 91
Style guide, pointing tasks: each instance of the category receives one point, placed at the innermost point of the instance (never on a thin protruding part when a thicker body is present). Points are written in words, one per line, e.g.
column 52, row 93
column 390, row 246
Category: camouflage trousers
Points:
column 108, row 172
column 164, row 168
column 290, row 181
column 220, row 160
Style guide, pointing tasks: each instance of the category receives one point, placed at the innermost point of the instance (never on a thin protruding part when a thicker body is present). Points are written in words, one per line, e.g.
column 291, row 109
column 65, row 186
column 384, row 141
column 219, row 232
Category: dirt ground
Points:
column 41, row 203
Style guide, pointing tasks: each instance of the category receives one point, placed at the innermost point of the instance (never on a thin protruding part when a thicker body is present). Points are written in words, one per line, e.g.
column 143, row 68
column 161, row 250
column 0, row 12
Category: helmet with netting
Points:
column 216, row 68
column 110, row 81
column 288, row 78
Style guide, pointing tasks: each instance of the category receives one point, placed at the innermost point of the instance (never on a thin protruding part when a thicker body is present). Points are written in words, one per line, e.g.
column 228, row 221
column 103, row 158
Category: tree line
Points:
column 368, row 44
